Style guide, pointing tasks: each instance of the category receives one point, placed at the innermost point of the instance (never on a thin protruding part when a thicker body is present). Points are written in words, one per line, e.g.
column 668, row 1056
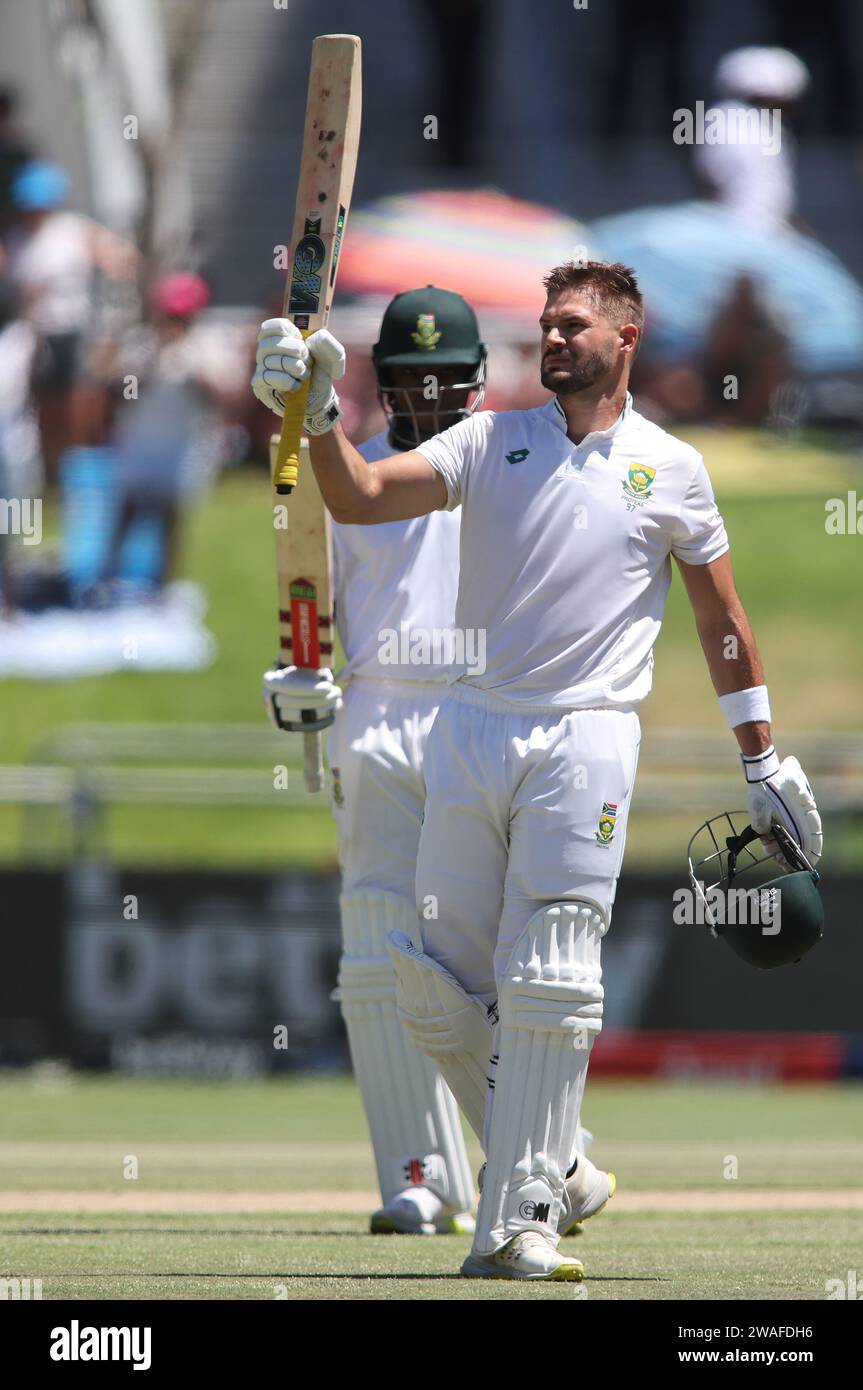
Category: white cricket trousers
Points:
column 522, row 810
column 376, row 752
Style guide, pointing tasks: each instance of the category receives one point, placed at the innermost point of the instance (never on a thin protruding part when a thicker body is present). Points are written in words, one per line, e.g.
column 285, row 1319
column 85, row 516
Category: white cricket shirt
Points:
column 565, row 549
column 395, row 588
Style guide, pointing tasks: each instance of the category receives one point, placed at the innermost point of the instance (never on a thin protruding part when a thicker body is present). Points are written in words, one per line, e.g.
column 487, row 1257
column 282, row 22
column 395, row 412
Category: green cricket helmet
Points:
column 424, row 330
column 782, row 918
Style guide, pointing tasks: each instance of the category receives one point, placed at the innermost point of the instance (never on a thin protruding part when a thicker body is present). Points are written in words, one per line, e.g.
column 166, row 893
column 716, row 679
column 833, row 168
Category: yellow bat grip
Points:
column 288, row 459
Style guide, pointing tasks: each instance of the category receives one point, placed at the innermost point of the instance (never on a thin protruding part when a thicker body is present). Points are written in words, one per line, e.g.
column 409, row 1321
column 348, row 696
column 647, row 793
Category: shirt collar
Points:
column 553, row 412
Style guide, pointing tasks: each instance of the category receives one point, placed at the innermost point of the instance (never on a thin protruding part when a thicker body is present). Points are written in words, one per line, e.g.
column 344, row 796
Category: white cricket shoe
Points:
column 529, row 1255
column 419, row 1212
column 584, row 1195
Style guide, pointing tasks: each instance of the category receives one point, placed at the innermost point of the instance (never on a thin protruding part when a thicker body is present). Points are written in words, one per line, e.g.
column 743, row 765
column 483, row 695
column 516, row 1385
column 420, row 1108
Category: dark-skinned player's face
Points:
column 579, row 347
column 428, row 392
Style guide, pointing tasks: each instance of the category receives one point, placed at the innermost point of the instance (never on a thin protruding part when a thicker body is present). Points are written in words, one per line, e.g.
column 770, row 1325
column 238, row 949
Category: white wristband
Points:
column 745, row 706
column 758, row 766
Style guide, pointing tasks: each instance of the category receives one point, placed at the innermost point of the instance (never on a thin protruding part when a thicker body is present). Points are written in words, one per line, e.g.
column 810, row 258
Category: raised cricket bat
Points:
column 327, row 167
column 304, row 571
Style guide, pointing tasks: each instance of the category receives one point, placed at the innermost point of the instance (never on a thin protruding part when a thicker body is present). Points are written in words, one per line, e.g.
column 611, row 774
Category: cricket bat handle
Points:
column 288, row 458
column 313, row 766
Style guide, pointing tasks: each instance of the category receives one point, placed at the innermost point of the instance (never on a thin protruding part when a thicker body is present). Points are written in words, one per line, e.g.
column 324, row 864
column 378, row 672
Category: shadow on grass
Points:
column 358, row 1274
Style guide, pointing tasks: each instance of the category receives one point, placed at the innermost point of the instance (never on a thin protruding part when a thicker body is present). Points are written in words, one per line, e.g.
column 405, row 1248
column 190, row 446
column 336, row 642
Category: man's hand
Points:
column 285, row 359
column 786, row 796
column 299, row 701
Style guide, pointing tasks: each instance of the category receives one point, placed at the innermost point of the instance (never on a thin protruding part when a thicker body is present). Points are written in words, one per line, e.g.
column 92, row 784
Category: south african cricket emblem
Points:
column 426, row 336
column 607, row 821
column 638, row 482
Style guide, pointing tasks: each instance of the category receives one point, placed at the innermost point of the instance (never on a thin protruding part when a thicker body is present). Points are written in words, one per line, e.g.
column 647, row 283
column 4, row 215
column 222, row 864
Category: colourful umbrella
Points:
column 688, row 256
column 489, row 247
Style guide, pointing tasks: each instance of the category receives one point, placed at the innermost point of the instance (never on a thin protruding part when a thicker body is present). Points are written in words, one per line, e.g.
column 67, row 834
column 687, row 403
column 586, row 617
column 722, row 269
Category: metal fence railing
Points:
column 81, row 769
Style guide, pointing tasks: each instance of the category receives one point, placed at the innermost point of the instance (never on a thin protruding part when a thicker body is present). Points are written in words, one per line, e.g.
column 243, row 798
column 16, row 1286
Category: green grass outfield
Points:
column 800, row 585
column 261, row 1190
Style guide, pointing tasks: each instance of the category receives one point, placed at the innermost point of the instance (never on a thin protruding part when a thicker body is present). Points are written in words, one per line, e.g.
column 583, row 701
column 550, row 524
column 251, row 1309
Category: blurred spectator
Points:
column 752, row 171
column 17, row 432
column 746, row 345
column 52, row 257
column 15, row 152
column 158, row 431
column 736, row 378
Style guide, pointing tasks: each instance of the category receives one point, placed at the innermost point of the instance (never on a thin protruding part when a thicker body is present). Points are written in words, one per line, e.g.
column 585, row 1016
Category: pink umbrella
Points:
column 489, row 247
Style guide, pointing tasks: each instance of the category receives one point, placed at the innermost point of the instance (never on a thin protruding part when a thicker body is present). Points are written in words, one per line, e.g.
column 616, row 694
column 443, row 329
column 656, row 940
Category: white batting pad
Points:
column 414, row 1121
column 446, row 1023
column 550, row 1013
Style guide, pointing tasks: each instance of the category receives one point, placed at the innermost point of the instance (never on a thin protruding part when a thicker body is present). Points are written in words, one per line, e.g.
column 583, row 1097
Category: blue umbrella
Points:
column 687, row 257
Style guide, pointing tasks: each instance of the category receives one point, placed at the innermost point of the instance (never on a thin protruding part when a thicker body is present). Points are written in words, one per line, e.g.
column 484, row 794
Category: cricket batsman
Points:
column 571, row 513
column 390, row 581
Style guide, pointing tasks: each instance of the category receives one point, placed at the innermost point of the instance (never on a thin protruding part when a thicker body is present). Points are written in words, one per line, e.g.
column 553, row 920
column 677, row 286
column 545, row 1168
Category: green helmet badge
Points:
column 425, row 337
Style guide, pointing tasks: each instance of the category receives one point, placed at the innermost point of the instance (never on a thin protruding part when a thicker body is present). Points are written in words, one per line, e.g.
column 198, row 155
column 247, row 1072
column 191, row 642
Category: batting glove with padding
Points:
column 285, row 359
column 783, row 795
column 301, row 701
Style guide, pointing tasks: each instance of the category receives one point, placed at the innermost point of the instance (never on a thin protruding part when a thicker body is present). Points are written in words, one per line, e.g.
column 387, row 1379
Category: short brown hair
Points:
column 613, row 289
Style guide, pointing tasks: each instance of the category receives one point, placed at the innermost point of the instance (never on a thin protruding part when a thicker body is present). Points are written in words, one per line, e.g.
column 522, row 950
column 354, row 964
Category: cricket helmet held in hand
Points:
column 787, row 916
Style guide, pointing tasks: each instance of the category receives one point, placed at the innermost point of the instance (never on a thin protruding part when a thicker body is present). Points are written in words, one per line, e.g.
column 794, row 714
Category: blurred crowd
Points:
column 123, row 392
column 117, row 398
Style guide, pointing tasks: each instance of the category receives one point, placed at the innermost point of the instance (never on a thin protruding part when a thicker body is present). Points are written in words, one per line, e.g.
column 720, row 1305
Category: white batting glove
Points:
column 300, row 701
column 285, row 359
column 281, row 363
column 780, row 792
column 328, row 365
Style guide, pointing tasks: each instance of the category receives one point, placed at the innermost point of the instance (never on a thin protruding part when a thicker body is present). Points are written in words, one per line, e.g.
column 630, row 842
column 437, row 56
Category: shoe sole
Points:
column 384, row 1225
column 572, row 1272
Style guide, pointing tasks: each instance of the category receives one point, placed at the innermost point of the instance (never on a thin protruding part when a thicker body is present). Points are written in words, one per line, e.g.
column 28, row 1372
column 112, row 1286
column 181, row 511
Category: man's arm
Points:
column 727, row 639
column 356, row 492
column 776, row 791
column 359, row 493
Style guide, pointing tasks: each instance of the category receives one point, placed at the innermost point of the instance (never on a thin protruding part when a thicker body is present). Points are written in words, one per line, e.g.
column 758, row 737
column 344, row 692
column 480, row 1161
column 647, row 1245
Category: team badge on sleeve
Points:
column 638, row 483
column 607, row 822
